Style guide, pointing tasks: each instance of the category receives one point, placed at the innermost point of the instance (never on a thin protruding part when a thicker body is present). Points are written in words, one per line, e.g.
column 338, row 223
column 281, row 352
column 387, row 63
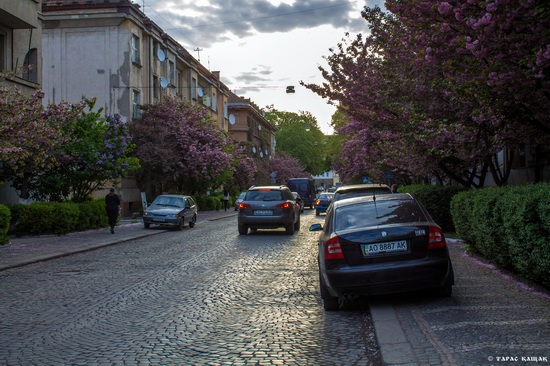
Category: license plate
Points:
column 159, row 220
column 381, row 248
column 263, row 212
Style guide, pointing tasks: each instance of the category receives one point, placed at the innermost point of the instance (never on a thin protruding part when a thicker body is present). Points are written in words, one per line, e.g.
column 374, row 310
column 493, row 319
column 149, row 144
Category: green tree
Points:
column 299, row 136
column 97, row 151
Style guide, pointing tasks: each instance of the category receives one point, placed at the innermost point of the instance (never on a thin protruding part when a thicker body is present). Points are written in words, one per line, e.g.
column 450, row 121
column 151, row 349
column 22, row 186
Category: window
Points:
column 2, row 52
column 214, row 102
column 155, row 87
column 225, row 110
column 193, row 88
column 135, row 104
column 135, row 49
column 171, row 73
column 30, row 66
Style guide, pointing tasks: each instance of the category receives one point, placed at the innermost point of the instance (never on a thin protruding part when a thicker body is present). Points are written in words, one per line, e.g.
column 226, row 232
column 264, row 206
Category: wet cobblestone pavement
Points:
column 203, row 296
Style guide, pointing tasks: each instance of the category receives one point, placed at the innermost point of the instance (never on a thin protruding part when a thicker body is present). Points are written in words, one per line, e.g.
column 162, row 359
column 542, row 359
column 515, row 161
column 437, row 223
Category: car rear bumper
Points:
column 388, row 278
column 265, row 222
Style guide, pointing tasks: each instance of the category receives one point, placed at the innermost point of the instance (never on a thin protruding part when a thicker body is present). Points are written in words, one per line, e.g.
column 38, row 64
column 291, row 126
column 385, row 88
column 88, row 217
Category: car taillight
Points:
column 243, row 205
column 436, row 238
column 284, row 205
column 333, row 250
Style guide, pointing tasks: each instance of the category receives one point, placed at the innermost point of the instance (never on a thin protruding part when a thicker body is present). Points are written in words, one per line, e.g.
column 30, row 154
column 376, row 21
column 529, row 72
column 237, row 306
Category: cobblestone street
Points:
column 203, row 296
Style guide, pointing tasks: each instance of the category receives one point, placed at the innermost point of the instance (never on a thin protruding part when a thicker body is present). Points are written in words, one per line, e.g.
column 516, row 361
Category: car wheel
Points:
column 447, row 289
column 290, row 229
column 147, row 226
column 179, row 226
column 243, row 230
column 193, row 221
column 317, row 213
column 330, row 303
column 297, row 224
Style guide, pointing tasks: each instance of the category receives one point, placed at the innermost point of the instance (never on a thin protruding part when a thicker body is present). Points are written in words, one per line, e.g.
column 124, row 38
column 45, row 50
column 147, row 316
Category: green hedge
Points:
column 437, row 200
column 57, row 218
column 5, row 218
column 510, row 226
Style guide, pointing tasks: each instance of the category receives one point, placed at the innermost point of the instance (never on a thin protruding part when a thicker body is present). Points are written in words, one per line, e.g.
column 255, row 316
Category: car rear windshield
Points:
column 264, row 195
column 377, row 213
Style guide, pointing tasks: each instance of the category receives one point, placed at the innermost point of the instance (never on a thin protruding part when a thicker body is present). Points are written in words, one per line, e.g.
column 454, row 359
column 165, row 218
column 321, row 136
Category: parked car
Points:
column 171, row 210
column 360, row 190
column 269, row 207
column 299, row 200
column 322, row 202
column 380, row 245
column 305, row 187
column 239, row 200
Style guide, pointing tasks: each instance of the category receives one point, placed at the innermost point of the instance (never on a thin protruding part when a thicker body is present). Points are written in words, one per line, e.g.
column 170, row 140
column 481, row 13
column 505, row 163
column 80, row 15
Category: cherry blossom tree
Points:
column 285, row 167
column 440, row 87
column 180, row 148
column 31, row 137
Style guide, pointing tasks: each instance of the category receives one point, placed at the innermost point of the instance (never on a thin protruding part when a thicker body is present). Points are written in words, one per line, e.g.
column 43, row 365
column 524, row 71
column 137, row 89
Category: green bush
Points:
column 5, row 219
column 437, row 200
column 57, row 218
column 510, row 226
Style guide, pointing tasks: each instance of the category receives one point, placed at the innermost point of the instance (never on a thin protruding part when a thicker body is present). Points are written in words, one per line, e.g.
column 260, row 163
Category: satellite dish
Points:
column 163, row 82
column 200, row 92
column 231, row 119
column 161, row 55
column 254, row 149
column 260, row 127
column 261, row 154
column 266, row 152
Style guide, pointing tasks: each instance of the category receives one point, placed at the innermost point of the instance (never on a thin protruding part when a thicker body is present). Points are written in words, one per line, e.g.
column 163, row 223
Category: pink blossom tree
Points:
column 180, row 148
column 432, row 89
column 31, row 137
column 285, row 167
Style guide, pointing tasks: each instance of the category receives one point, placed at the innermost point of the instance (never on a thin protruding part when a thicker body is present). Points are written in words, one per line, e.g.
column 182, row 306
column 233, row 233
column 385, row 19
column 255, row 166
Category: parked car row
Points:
column 371, row 242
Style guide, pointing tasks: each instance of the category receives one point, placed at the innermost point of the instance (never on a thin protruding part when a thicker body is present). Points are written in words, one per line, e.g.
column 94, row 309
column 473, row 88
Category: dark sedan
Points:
column 379, row 245
column 322, row 202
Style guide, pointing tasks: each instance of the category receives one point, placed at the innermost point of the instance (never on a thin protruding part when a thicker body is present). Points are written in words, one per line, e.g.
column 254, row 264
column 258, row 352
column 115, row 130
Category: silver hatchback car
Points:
column 171, row 210
column 269, row 207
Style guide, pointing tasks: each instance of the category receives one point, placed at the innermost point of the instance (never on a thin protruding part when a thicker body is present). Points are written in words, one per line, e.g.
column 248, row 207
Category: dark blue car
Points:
column 322, row 202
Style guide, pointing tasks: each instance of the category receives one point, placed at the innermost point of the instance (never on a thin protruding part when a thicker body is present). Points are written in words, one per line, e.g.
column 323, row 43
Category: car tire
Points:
column 297, row 224
column 447, row 289
column 290, row 229
column 317, row 213
column 193, row 221
column 243, row 230
column 330, row 303
column 179, row 226
column 147, row 226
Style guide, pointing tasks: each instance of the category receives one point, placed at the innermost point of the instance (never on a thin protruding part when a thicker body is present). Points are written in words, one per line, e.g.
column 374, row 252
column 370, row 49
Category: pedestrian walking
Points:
column 225, row 199
column 112, row 206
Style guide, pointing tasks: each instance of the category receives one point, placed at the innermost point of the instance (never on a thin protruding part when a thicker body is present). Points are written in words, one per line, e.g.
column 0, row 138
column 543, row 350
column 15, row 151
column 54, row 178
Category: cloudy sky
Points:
column 262, row 46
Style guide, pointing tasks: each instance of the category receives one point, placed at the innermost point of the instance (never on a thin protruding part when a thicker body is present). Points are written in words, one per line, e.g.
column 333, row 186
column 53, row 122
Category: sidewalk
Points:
column 31, row 249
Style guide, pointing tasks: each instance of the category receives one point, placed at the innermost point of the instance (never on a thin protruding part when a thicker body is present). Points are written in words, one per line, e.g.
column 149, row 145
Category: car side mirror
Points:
column 316, row 227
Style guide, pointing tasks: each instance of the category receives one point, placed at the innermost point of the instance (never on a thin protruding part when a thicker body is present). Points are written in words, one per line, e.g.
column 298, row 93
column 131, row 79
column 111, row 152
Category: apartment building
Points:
column 110, row 50
column 248, row 126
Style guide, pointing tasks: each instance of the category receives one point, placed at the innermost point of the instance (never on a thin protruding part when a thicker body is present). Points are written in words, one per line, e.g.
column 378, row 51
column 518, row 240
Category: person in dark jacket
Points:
column 112, row 206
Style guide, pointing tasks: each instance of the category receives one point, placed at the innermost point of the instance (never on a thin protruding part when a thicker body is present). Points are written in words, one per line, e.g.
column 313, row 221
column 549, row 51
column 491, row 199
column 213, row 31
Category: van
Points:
column 305, row 188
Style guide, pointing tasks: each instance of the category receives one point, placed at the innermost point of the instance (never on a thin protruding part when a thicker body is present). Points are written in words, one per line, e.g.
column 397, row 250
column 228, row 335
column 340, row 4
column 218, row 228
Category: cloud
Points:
column 210, row 22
